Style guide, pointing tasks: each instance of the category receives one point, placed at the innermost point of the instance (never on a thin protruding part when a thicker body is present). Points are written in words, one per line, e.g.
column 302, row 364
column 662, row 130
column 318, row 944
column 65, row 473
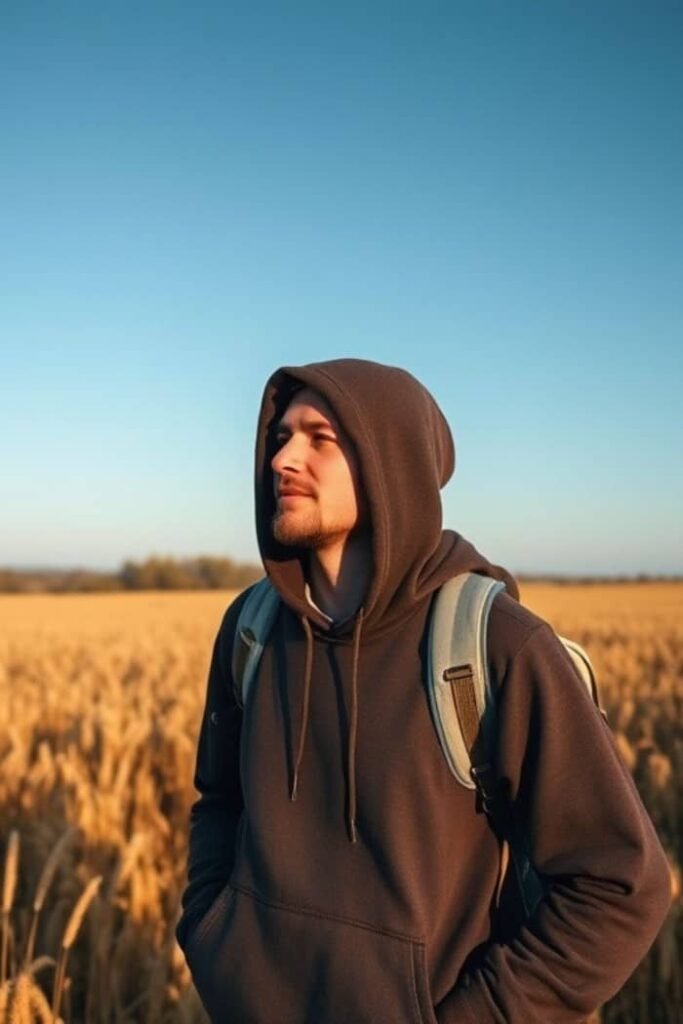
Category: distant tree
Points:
column 156, row 574
column 85, row 581
column 10, row 582
column 214, row 573
column 205, row 572
column 224, row 574
column 129, row 575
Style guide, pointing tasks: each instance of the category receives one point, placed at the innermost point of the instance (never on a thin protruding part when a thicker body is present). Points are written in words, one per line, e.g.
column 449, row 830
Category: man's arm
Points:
column 589, row 835
column 214, row 817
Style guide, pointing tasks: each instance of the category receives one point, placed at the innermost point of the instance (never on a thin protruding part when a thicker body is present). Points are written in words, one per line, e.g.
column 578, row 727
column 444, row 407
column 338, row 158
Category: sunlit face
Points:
column 314, row 457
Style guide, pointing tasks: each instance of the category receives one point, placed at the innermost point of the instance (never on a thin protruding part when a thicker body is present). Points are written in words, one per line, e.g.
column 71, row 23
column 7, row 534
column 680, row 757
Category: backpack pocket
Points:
column 254, row 962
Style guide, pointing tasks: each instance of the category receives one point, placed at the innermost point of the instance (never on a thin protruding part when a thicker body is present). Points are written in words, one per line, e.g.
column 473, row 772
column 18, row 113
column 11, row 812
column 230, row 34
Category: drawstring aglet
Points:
column 295, row 787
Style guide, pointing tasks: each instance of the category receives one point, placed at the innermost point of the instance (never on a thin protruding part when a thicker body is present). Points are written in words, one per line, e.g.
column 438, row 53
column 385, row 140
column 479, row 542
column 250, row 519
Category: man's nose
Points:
column 287, row 457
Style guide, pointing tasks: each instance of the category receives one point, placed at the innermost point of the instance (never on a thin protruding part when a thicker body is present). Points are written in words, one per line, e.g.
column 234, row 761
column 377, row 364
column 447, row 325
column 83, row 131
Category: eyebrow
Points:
column 307, row 425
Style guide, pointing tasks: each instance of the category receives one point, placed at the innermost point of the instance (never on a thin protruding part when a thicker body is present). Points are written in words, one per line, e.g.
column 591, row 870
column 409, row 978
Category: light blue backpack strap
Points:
column 254, row 623
column 457, row 650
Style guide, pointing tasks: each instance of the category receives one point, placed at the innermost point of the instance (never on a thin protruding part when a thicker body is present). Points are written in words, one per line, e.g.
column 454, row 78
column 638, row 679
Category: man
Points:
column 338, row 874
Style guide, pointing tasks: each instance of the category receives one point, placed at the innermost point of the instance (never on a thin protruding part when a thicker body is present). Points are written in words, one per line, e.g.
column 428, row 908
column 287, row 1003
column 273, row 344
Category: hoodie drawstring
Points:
column 303, row 725
column 353, row 723
column 353, row 729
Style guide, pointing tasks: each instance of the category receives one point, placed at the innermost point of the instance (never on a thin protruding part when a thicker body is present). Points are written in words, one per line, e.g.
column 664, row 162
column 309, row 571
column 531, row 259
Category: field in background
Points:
column 101, row 698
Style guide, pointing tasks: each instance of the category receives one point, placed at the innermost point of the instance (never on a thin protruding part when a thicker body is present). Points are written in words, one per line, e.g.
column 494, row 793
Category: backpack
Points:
column 461, row 699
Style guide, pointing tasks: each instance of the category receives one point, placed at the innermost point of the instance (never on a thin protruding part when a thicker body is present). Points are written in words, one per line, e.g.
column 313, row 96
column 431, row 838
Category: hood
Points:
column 406, row 455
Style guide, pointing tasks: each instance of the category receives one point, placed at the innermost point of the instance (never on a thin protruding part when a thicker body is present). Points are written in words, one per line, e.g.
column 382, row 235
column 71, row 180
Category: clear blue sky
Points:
column 488, row 194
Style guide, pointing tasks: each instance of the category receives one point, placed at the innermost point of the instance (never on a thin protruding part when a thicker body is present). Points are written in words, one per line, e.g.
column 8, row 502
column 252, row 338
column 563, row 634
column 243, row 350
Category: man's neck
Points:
column 339, row 576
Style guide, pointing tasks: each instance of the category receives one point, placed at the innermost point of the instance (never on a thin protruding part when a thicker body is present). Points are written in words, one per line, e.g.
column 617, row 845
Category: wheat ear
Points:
column 40, row 1006
column 20, row 1008
column 70, row 933
column 44, row 883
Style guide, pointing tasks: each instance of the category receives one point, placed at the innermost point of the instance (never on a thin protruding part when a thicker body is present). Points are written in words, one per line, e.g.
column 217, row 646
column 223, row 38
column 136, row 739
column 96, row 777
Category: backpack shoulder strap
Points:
column 459, row 688
column 254, row 623
column 584, row 667
column 463, row 707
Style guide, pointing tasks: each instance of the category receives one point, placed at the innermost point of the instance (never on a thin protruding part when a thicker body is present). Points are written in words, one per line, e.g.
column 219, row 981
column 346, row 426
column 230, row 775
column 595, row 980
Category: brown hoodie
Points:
column 369, row 899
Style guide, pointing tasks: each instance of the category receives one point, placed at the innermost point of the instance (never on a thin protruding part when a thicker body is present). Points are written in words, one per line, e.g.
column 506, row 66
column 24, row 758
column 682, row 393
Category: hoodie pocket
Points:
column 205, row 921
column 257, row 962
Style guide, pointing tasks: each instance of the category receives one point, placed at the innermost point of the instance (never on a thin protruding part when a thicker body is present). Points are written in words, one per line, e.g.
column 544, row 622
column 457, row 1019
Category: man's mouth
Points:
column 288, row 496
column 292, row 492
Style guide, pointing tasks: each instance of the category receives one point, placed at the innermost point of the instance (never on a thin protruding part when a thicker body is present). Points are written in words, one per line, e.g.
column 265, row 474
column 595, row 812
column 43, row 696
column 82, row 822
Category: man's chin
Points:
column 289, row 540
column 289, row 535
column 298, row 536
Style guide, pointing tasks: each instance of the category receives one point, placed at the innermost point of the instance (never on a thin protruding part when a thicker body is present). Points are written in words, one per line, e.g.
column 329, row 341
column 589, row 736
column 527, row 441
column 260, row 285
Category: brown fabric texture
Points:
column 337, row 871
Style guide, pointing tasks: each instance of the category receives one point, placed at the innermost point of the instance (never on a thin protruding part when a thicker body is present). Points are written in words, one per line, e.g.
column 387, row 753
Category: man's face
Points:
column 314, row 457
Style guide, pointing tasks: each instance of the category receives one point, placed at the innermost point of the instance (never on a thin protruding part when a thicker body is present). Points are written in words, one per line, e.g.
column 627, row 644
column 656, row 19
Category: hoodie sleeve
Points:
column 214, row 817
column 609, row 885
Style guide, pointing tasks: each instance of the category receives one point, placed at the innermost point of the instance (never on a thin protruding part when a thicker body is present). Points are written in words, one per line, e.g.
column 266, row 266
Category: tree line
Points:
column 208, row 572
column 205, row 572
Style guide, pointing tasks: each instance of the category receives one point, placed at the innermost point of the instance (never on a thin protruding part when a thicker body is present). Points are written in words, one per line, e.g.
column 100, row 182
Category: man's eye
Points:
column 281, row 439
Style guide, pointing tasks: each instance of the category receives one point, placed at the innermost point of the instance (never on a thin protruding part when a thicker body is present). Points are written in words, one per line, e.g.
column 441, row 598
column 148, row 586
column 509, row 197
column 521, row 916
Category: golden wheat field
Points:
column 101, row 698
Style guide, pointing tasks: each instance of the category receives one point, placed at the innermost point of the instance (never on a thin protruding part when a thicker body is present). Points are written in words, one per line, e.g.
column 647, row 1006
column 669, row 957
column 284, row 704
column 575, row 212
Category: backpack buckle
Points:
column 247, row 637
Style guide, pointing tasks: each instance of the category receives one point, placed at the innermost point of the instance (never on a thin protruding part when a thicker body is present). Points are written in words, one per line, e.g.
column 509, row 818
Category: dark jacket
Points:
column 369, row 899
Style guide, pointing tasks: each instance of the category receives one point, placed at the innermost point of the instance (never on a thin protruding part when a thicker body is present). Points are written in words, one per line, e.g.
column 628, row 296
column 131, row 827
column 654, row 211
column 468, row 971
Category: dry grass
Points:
column 101, row 697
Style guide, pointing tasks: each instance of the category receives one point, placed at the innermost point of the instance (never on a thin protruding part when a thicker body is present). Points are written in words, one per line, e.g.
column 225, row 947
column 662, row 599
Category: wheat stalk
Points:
column 39, row 964
column 8, row 889
column 44, row 882
column 70, row 932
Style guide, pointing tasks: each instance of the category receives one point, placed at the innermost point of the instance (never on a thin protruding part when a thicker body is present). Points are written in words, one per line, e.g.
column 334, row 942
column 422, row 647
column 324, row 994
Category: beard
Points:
column 303, row 529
